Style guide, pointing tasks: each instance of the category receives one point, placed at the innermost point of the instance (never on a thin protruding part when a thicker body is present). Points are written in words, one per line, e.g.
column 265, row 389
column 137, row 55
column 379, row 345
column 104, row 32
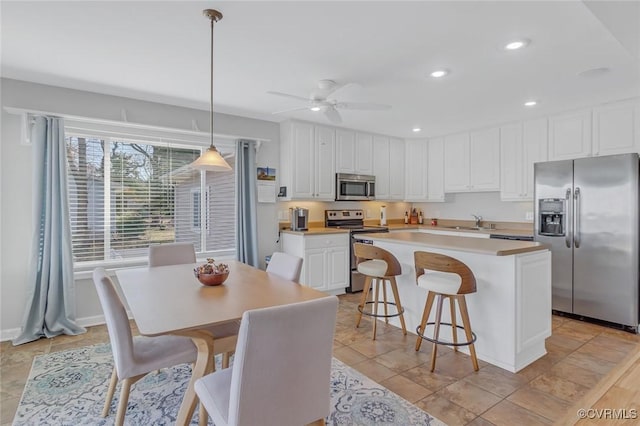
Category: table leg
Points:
column 204, row 365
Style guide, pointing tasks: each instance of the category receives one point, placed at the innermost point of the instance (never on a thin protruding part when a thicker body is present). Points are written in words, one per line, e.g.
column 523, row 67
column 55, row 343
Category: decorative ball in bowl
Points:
column 211, row 274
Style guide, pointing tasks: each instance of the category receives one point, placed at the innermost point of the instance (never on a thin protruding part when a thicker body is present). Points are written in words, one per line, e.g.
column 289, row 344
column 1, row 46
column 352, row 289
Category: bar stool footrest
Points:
column 443, row 342
column 362, row 311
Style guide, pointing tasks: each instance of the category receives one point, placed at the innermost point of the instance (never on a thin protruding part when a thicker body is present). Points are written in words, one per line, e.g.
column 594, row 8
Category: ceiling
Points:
column 159, row 51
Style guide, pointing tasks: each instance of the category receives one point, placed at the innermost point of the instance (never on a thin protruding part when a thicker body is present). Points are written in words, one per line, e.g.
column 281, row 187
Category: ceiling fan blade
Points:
column 286, row 95
column 362, row 106
column 291, row 110
column 333, row 115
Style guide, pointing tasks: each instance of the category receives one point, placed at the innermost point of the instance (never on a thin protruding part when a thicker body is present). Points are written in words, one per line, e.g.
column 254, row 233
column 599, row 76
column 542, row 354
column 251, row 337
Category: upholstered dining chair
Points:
column 134, row 357
column 181, row 253
column 281, row 373
column 171, row 254
column 285, row 265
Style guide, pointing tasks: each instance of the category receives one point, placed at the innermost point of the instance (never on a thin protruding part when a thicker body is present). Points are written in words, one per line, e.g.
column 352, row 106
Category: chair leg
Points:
column 467, row 330
column 203, row 416
column 375, row 307
column 363, row 301
column 454, row 329
column 396, row 296
column 425, row 317
column 384, row 299
column 112, row 388
column 436, row 332
column 124, row 399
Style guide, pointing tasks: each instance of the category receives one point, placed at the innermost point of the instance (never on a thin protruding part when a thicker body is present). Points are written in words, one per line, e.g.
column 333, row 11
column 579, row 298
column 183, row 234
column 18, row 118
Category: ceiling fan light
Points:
column 531, row 103
column 211, row 161
column 315, row 108
column 416, row 129
column 439, row 73
column 516, row 44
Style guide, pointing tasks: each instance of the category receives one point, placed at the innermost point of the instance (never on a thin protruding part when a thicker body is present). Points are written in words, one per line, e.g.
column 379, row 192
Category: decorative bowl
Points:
column 212, row 279
column 211, row 274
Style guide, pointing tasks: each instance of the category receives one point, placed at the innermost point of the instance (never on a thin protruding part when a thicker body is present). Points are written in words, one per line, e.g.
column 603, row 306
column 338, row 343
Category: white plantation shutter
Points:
column 128, row 193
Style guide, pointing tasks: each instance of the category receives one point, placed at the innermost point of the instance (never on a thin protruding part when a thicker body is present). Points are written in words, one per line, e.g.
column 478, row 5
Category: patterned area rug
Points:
column 69, row 388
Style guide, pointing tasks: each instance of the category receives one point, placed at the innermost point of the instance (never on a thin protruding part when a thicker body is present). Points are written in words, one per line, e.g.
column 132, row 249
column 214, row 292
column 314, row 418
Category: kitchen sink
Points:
column 465, row 228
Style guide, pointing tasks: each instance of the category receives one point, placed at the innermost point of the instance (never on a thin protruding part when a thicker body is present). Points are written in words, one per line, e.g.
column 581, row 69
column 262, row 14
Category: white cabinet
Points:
column 521, row 145
column 435, row 170
column 570, row 135
column 472, row 161
column 307, row 156
column 416, row 169
column 616, row 128
column 326, row 259
column 388, row 166
column 354, row 152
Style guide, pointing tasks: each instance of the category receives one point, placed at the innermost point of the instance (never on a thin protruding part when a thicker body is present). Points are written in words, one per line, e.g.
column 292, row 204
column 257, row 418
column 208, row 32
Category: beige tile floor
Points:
column 580, row 355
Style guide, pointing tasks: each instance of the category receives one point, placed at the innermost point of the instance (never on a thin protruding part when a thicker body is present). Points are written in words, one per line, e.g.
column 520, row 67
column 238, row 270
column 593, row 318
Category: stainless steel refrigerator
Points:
column 587, row 211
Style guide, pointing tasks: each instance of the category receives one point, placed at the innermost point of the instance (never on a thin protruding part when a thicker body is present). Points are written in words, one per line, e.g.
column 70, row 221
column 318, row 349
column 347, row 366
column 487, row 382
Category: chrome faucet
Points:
column 478, row 220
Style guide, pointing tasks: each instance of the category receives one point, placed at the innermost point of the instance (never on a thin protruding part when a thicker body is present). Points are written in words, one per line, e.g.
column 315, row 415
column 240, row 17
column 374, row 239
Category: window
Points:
column 125, row 194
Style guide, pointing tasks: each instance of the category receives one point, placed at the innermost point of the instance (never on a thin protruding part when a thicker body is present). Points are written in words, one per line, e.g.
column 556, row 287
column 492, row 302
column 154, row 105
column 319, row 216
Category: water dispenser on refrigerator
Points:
column 552, row 217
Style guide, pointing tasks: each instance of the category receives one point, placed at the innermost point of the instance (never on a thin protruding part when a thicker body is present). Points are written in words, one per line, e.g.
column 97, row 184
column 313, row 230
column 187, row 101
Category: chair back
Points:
column 282, row 367
column 171, row 254
column 364, row 252
column 442, row 263
column 285, row 265
column 117, row 321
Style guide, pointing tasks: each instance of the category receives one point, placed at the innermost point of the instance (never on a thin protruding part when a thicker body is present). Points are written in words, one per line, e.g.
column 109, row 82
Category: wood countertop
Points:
column 395, row 227
column 484, row 246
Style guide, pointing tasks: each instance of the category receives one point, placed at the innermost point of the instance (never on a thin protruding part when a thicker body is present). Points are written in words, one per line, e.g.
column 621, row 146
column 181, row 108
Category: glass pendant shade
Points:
column 211, row 161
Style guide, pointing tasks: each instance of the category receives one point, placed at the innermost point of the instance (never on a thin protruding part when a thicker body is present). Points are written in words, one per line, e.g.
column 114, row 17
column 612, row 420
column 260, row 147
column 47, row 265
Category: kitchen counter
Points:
column 316, row 231
column 474, row 245
column 511, row 310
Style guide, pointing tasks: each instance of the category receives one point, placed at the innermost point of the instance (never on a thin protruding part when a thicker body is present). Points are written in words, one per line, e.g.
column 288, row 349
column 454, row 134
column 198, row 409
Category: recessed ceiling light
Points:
column 416, row 129
column 516, row 44
column 315, row 108
column 531, row 103
column 439, row 73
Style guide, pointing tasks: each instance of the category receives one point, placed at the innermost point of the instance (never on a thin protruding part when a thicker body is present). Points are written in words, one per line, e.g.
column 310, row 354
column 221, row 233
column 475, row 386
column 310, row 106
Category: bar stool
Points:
column 445, row 277
column 379, row 267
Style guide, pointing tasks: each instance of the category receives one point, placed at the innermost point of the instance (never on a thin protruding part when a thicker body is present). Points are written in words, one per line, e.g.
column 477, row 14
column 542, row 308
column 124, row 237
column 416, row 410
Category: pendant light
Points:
column 211, row 160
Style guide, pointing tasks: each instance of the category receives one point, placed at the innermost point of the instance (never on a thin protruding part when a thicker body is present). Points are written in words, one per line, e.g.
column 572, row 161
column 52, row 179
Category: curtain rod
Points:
column 24, row 112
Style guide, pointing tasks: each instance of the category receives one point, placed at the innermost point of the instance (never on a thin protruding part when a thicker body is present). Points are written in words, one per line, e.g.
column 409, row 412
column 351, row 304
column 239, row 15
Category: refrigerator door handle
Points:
column 576, row 216
column 567, row 233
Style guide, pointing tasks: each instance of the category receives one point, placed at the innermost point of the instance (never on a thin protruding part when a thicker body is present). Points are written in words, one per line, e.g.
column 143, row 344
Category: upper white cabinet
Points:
column 354, row 152
column 570, row 135
column 415, row 170
column 521, row 145
column 435, row 170
column 307, row 161
column 472, row 161
column 388, row 166
column 616, row 128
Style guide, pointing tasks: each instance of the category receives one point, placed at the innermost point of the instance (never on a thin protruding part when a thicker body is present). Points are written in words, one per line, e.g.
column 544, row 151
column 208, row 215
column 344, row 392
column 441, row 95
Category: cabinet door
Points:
column 396, row 169
column 456, row 163
column 315, row 267
column 534, row 150
column 416, row 165
column 570, row 136
column 337, row 272
column 511, row 160
column 364, row 154
column 484, row 152
column 615, row 128
column 303, row 161
column 324, row 164
column 345, row 151
column 381, row 166
column 435, row 170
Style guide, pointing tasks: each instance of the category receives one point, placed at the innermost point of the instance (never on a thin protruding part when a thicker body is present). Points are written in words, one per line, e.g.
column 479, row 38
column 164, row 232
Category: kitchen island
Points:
column 511, row 310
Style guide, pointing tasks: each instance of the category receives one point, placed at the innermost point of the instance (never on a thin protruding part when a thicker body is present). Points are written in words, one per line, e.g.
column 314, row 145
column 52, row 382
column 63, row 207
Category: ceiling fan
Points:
column 319, row 100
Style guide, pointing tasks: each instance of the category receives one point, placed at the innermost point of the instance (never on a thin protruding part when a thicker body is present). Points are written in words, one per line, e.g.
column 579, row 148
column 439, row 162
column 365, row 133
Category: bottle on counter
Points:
column 406, row 217
column 420, row 217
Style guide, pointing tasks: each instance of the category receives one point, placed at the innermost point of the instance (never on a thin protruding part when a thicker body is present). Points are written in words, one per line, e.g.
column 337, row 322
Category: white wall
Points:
column 486, row 204
column 15, row 179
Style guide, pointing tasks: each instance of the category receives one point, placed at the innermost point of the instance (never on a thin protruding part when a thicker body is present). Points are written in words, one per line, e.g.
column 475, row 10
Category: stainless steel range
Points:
column 353, row 220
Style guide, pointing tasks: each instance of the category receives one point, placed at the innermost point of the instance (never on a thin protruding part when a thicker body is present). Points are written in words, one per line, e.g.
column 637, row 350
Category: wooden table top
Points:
column 170, row 299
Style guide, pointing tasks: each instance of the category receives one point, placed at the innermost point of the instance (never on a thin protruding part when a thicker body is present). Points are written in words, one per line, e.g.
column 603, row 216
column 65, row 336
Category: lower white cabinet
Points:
column 326, row 259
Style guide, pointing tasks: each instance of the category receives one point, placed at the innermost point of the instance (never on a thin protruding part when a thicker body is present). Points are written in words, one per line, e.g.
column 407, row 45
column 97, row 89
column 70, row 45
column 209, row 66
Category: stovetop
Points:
column 352, row 220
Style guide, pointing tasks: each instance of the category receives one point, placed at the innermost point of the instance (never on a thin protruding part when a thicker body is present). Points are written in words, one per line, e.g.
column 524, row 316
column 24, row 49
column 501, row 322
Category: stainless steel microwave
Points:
column 350, row 187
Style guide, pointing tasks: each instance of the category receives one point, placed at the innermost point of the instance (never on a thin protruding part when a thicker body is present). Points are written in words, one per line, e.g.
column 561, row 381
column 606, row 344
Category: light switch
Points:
column 529, row 216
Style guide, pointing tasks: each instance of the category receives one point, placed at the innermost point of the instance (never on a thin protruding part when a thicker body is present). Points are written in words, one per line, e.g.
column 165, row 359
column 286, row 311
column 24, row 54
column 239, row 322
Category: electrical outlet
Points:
column 529, row 216
column 282, row 215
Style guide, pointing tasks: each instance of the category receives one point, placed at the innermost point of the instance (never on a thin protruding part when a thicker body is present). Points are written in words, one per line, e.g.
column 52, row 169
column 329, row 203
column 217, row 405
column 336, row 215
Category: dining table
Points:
column 170, row 300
